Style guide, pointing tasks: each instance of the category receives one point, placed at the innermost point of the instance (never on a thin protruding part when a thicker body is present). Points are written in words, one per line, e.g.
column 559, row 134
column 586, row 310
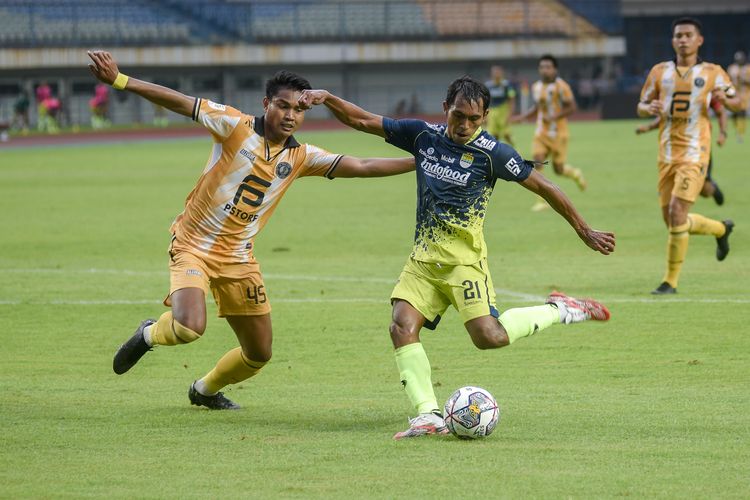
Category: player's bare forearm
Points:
column 105, row 69
column 350, row 166
column 524, row 116
column 163, row 96
column 568, row 109
column 346, row 112
column 733, row 104
column 352, row 115
column 600, row 241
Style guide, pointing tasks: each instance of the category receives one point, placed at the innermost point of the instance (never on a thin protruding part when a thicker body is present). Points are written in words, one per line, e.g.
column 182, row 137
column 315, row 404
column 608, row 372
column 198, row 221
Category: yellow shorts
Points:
column 238, row 289
column 497, row 121
column 431, row 288
column 556, row 147
column 681, row 180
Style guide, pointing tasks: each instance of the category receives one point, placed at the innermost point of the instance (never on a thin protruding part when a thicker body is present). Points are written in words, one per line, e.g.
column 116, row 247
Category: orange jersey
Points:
column 549, row 99
column 685, row 130
column 740, row 76
column 243, row 181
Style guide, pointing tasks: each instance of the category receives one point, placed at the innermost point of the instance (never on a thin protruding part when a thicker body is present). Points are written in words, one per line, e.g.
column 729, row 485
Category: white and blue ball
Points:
column 471, row 413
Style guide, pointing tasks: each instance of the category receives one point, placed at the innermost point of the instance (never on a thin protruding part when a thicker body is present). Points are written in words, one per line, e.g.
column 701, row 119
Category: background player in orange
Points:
column 553, row 103
column 679, row 92
column 253, row 161
column 710, row 187
column 739, row 72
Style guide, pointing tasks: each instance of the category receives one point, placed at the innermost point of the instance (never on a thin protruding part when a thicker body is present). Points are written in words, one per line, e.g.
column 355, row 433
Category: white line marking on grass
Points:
column 501, row 292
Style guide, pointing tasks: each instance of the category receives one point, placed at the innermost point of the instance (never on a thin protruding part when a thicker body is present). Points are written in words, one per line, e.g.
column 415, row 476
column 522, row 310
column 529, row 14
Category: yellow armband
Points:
column 120, row 81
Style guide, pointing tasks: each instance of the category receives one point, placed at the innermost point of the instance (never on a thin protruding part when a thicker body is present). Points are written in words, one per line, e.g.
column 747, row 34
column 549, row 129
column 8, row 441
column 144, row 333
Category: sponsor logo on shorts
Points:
column 193, row 272
column 283, row 169
column 466, row 160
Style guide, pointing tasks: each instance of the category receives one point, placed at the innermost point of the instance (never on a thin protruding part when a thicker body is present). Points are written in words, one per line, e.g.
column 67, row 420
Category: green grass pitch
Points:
column 656, row 403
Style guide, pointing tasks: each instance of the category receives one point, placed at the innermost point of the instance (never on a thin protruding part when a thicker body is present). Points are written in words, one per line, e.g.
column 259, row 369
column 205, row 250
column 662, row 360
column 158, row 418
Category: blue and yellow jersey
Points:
column 500, row 92
column 454, row 183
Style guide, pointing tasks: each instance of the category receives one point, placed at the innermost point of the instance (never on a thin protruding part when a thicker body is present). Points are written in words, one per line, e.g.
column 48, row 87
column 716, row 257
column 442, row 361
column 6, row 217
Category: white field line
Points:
column 501, row 292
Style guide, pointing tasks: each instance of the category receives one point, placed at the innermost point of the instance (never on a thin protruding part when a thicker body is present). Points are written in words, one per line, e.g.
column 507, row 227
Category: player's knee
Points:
column 194, row 322
column 490, row 337
column 402, row 333
column 259, row 356
column 559, row 168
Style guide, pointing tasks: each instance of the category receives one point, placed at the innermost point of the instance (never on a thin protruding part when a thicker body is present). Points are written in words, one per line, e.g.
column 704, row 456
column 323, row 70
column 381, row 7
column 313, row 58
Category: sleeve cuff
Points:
column 329, row 172
column 196, row 108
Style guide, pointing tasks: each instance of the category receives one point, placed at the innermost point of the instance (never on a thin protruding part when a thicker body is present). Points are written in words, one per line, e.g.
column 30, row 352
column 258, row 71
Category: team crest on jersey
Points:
column 699, row 82
column 466, row 160
column 283, row 170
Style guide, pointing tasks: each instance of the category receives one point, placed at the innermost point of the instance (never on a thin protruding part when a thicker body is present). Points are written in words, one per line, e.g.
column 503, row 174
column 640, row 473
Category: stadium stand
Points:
column 28, row 23
column 32, row 23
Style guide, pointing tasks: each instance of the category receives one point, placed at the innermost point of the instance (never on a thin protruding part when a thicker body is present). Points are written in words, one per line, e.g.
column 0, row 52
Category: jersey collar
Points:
column 259, row 126
column 476, row 134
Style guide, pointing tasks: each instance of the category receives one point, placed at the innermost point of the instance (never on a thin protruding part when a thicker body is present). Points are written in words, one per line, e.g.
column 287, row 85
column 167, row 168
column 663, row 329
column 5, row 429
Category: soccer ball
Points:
column 471, row 413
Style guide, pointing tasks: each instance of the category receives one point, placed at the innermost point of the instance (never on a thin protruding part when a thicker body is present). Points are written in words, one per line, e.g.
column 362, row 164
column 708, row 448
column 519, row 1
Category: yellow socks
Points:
column 704, row 225
column 167, row 331
column 524, row 321
column 576, row 174
column 416, row 377
column 677, row 245
column 232, row 368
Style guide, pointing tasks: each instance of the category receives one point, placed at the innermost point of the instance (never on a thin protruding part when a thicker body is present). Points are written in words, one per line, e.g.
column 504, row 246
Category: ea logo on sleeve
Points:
column 283, row 170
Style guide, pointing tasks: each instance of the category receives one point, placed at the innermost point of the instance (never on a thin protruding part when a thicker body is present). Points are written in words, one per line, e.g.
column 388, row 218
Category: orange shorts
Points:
column 681, row 180
column 237, row 288
column 555, row 147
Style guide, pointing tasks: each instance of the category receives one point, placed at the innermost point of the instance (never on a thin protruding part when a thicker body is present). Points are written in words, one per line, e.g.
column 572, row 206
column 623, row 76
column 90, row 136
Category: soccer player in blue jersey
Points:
column 457, row 167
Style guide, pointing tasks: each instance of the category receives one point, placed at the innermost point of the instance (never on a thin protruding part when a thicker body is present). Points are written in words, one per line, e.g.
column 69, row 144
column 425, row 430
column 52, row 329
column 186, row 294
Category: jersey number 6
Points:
column 679, row 104
column 250, row 189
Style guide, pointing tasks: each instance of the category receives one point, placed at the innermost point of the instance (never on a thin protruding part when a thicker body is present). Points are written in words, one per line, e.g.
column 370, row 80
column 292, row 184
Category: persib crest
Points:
column 466, row 160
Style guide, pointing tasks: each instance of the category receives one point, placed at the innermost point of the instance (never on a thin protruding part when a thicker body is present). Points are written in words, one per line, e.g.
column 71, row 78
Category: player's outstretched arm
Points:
column 601, row 241
column 524, row 116
column 104, row 68
column 346, row 112
column 350, row 166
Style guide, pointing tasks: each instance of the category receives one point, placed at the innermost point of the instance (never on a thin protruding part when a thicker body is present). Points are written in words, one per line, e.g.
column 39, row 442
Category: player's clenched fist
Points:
column 104, row 67
column 310, row 98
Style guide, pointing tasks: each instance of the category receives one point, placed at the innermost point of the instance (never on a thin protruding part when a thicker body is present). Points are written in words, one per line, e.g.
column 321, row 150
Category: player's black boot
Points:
column 664, row 289
column 216, row 402
column 718, row 195
column 722, row 244
column 131, row 351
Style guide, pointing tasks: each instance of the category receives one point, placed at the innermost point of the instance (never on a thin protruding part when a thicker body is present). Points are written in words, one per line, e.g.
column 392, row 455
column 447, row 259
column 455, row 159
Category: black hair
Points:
column 550, row 58
column 688, row 20
column 470, row 89
column 285, row 80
